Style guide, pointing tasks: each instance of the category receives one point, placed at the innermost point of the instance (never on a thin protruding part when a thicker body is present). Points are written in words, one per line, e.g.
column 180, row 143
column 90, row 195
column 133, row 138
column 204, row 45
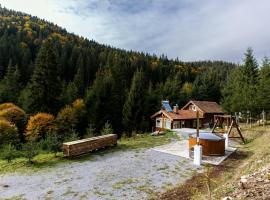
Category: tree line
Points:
column 43, row 68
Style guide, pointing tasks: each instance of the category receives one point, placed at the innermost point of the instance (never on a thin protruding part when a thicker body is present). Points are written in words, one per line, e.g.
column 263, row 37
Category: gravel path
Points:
column 125, row 175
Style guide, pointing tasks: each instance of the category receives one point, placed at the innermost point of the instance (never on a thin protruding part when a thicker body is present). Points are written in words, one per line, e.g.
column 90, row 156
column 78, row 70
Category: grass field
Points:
column 47, row 160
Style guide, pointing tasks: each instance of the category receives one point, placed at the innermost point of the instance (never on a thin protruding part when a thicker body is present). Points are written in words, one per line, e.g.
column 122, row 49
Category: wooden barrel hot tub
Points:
column 212, row 144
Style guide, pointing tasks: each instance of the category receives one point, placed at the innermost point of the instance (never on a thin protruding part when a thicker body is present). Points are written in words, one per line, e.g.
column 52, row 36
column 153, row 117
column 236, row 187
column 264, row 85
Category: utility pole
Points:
column 198, row 129
column 250, row 119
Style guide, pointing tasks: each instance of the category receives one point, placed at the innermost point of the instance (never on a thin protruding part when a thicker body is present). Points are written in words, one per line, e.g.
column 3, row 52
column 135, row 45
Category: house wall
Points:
column 162, row 123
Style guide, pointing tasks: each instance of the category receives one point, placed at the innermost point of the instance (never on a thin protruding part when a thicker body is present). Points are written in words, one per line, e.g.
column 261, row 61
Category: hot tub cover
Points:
column 209, row 136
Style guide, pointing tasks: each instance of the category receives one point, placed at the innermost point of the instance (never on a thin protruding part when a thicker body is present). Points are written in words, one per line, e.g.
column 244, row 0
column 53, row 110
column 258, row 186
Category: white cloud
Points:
column 188, row 29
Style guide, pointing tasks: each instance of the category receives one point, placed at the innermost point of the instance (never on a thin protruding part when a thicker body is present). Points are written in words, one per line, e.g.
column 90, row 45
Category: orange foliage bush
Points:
column 70, row 117
column 79, row 104
column 13, row 114
column 8, row 132
column 39, row 125
column 6, row 105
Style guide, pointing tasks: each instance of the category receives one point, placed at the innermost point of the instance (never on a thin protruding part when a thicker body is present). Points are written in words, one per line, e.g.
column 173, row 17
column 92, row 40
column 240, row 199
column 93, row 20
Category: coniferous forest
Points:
column 83, row 85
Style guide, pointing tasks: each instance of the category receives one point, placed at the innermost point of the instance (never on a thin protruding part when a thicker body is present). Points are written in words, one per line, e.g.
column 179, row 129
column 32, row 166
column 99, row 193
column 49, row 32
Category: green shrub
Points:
column 38, row 126
column 52, row 143
column 107, row 129
column 72, row 136
column 90, row 131
column 30, row 150
column 9, row 153
column 8, row 133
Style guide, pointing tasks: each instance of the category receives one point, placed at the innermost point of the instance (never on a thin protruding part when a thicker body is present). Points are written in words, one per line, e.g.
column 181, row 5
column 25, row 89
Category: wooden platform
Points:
column 79, row 147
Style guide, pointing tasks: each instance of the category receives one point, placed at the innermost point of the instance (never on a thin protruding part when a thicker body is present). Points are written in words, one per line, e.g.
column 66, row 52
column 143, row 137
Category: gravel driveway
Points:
column 136, row 174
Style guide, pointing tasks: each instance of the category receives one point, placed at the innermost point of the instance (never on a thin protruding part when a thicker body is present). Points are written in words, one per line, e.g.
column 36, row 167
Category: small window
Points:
column 158, row 123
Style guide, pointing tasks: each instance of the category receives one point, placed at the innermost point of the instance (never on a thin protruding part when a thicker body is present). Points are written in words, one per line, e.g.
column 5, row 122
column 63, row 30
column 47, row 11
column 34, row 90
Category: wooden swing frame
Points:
column 219, row 120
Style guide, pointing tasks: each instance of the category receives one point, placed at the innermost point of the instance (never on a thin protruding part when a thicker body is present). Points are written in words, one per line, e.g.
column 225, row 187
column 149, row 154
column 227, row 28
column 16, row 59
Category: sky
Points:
column 186, row 29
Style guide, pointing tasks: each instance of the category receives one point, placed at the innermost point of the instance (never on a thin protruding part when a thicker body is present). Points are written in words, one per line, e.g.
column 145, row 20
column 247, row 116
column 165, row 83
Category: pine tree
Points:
column 69, row 93
column 97, row 99
column 249, row 81
column 79, row 76
column 132, row 110
column 264, row 85
column 240, row 91
column 231, row 92
column 10, row 85
column 207, row 86
column 42, row 93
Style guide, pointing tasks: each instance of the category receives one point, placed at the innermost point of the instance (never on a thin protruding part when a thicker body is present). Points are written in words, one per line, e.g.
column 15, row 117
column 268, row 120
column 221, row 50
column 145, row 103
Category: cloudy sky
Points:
column 187, row 29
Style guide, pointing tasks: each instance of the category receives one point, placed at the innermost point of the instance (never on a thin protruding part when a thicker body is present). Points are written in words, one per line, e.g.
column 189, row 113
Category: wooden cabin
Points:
column 208, row 110
column 168, row 118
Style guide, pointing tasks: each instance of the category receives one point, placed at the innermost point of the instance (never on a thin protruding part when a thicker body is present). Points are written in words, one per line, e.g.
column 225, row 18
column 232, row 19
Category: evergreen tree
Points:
column 231, row 92
column 79, row 76
column 172, row 88
column 249, row 82
column 10, row 85
column 132, row 110
column 97, row 99
column 240, row 91
column 264, row 85
column 69, row 93
column 42, row 93
column 207, row 86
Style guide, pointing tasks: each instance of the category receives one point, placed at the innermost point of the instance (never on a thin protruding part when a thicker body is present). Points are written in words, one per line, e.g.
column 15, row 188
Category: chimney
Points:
column 175, row 108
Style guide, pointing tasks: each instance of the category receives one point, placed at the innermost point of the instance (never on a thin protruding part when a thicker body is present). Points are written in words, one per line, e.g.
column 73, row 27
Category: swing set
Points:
column 230, row 122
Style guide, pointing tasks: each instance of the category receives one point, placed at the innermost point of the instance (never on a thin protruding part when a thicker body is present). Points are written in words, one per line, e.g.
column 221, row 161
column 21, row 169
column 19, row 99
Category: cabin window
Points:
column 158, row 122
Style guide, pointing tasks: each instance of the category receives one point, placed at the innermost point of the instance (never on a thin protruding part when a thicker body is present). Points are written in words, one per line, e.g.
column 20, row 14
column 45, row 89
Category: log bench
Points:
column 79, row 147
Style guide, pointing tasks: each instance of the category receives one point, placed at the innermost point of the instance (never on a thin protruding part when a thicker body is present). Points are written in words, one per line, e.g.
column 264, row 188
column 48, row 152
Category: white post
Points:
column 226, row 140
column 198, row 148
column 197, row 155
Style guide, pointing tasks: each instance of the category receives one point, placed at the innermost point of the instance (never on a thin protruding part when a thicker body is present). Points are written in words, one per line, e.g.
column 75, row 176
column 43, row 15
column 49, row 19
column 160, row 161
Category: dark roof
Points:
column 181, row 115
column 206, row 106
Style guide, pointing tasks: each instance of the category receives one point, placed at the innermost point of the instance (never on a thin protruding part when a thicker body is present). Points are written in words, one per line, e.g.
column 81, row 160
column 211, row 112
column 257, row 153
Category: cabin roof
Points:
column 181, row 115
column 205, row 106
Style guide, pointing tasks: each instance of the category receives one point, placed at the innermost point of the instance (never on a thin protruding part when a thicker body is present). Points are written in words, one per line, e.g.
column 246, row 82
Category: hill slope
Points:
column 100, row 74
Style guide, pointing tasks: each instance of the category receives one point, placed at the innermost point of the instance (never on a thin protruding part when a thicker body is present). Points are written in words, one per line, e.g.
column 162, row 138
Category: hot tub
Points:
column 212, row 144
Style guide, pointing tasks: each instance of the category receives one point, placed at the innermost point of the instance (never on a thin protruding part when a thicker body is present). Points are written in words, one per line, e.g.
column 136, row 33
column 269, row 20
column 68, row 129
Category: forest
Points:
column 52, row 80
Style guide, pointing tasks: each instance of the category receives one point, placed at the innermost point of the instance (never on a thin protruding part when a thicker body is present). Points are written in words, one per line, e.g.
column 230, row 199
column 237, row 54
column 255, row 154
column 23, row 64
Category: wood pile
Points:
column 79, row 147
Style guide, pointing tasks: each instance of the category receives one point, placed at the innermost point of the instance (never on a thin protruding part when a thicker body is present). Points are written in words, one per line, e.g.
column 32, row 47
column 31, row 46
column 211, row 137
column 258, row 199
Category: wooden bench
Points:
column 79, row 147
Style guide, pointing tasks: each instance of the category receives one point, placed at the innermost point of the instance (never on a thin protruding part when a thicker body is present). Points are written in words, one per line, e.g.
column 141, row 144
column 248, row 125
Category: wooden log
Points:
column 79, row 147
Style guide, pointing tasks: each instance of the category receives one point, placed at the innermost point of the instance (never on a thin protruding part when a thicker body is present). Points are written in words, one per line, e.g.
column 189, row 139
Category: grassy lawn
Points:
column 48, row 160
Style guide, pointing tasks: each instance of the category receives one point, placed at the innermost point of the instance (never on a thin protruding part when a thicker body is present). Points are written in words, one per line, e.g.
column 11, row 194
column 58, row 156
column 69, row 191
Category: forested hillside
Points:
column 43, row 68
